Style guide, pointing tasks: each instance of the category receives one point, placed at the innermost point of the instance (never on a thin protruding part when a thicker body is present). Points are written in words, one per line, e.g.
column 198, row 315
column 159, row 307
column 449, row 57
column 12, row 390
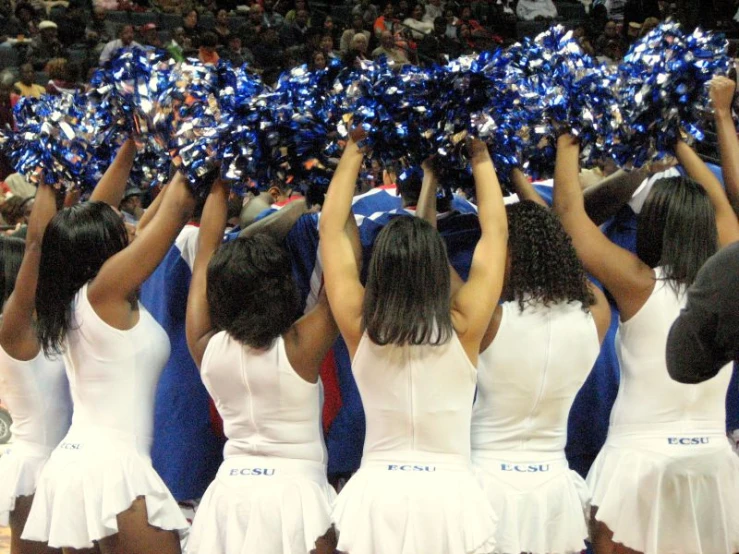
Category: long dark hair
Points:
column 406, row 299
column 12, row 251
column 251, row 292
column 76, row 244
column 544, row 267
column 676, row 230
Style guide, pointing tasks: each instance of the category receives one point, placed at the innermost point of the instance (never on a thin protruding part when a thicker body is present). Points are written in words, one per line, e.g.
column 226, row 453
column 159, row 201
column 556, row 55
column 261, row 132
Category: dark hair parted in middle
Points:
column 406, row 298
column 76, row 244
column 251, row 292
column 676, row 229
column 544, row 267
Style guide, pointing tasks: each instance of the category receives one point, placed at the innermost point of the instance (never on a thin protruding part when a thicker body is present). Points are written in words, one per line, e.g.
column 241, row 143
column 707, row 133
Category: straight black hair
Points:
column 676, row 230
column 76, row 244
column 251, row 292
column 406, row 299
column 12, row 255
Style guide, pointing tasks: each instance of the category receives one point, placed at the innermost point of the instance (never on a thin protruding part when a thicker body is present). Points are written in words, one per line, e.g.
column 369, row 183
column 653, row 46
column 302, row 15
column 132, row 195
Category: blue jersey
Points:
column 186, row 452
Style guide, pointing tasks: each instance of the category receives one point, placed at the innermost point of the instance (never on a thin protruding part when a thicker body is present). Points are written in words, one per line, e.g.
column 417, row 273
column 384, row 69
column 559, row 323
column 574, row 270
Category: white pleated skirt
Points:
column 662, row 492
column 20, row 468
column 411, row 503
column 90, row 478
column 265, row 505
column 542, row 505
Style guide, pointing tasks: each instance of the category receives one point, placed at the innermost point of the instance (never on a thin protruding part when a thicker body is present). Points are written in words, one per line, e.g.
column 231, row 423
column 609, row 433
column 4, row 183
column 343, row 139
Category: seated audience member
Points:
column 124, row 40
column 25, row 86
column 416, row 25
column 348, row 35
column 175, row 47
column 357, row 50
column 271, row 17
column 207, row 53
column 388, row 49
column 150, row 35
column 367, row 11
column 386, row 22
column 610, row 34
column 45, row 46
column 529, row 10
column 292, row 15
column 451, row 23
column 236, row 53
column 222, row 28
column 436, row 47
column 191, row 30
column 434, row 9
column 63, row 77
column 295, row 33
column 99, row 30
column 327, row 47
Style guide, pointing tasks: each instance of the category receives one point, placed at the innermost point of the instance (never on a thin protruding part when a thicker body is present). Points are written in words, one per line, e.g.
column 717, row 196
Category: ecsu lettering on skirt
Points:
column 255, row 471
column 70, row 446
column 409, row 467
column 688, row 441
column 522, row 468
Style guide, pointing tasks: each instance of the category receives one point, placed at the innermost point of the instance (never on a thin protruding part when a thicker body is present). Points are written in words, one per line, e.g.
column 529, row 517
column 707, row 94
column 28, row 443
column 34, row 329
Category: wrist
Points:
column 722, row 113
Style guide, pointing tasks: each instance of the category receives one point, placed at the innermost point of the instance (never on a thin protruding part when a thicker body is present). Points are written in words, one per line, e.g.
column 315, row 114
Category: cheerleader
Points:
column 98, row 491
column 414, row 347
column 261, row 367
column 666, row 480
column 34, row 386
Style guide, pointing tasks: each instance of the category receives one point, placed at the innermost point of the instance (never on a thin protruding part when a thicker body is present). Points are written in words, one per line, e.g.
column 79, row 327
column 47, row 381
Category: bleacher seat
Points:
column 139, row 19
column 119, row 18
column 207, row 22
column 170, row 21
column 9, row 57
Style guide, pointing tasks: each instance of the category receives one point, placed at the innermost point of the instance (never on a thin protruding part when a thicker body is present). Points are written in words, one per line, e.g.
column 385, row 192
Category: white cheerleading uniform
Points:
column 37, row 394
column 527, row 381
column 415, row 491
column 666, row 481
column 271, row 494
column 103, row 464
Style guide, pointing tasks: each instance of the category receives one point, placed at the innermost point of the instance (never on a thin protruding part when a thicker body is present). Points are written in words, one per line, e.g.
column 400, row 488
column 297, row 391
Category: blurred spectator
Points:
column 388, row 49
column 26, row 20
column 19, row 186
column 131, row 206
column 207, row 52
column 16, row 210
column 436, row 47
column 616, row 9
column 179, row 7
column 175, row 47
column 222, row 28
column 368, row 12
column 348, row 35
column 402, row 10
column 330, row 28
column 271, row 17
column 465, row 18
column 317, row 61
column 434, row 9
column 649, row 24
column 150, row 35
column 613, row 52
column 357, row 50
column 124, row 40
column 292, row 15
column 236, row 53
column 6, row 117
column 63, row 77
column 209, row 7
column 268, row 54
column 529, row 10
column 254, row 26
column 466, row 41
column 639, row 10
column 327, row 47
column 75, row 18
column 451, row 23
column 98, row 29
column 45, row 46
column 632, row 32
column 386, row 22
column 191, row 30
column 579, row 33
column 294, row 34
column 610, row 34
column 26, row 85
column 416, row 24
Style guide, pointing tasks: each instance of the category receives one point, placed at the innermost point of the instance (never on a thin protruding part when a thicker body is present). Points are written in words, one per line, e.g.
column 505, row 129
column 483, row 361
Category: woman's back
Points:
column 416, row 398
column 529, row 376
column 647, row 395
column 267, row 408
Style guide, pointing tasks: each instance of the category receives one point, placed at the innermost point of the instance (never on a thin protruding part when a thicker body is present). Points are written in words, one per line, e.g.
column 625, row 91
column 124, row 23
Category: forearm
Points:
column 278, row 224
column 426, row 208
column 729, row 146
column 567, row 193
column 490, row 207
column 524, row 189
column 603, row 200
column 151, row 211
column 44, row 209
column 214, row 219
column 112, row 185
column 337, row 206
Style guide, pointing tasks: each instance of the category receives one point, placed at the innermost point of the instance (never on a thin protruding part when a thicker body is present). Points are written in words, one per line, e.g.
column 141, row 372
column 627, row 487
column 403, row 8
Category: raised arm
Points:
column 722, row 96
column 112, row 290
column 475, row 301
column 627, row 278
column 340, row 269
column 151, row 211
column 524, row 189
column 112, row 185
column 198, row 327
column 605, row 198
column 726, row 221
column 278, row 224
column 17, row 333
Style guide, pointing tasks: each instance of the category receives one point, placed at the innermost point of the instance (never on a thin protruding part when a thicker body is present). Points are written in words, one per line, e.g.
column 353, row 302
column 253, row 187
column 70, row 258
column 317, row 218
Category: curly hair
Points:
column 544, row 267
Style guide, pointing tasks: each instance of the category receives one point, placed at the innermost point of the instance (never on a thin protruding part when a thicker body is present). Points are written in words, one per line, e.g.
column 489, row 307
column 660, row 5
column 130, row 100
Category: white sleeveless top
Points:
column 37, row 394
column 267, row 408
column 416, row 398
column 113, row 374
column 529, row 376
column 647, row 395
